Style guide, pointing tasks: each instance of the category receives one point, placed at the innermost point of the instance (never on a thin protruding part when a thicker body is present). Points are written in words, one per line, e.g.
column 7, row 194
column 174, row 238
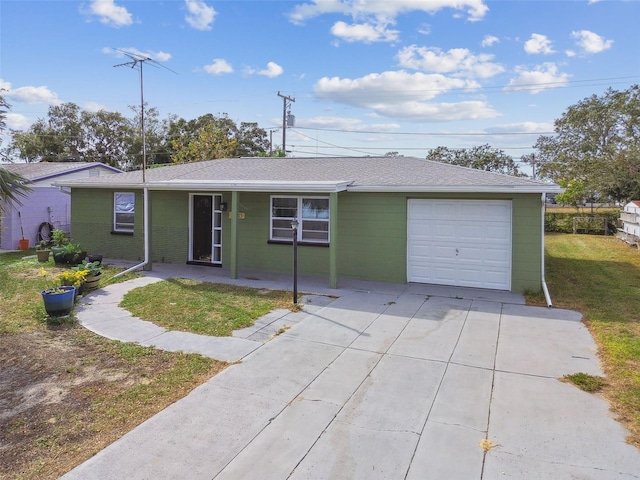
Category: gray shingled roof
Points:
column 360, row 173
column 41, row 170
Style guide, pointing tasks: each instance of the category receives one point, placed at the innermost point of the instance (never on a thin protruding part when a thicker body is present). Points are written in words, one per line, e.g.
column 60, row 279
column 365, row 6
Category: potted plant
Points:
column 93, row 273
column 73, row 278
column 58, row 300
column 59, row 239
column 73, row 254
column 43, row 251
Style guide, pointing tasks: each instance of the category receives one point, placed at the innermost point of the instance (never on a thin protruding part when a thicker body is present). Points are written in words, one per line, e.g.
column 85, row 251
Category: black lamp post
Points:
column 294, row 227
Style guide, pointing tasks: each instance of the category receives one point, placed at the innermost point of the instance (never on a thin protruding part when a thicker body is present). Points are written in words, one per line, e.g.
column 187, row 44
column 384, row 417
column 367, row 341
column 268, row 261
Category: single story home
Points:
column 392, row 219
column 630, row 219
column 46, row 206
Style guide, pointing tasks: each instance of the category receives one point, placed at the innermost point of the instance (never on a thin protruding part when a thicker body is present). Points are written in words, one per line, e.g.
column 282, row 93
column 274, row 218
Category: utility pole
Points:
column 533, row 164
column 271, row 130
column 286, row 103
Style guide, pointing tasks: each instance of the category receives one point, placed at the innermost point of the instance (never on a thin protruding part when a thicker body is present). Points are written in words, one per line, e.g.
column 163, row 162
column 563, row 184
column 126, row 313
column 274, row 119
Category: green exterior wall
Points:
column 371, row 236
column 92, row 224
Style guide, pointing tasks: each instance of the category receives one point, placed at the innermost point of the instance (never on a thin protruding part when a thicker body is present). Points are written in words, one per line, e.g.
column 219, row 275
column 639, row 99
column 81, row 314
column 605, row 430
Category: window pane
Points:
column 125, row 202
column 124, row 210
column 319, row 237
column 315, row 208
column 284, row 207
column 315, row 231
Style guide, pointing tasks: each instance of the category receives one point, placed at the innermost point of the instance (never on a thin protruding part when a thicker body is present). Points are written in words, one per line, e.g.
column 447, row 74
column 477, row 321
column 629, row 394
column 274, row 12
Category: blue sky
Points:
column 368, row 76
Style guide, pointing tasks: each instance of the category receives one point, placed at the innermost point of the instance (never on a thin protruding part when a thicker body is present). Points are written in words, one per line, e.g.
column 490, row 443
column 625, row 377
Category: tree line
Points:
column 594, row 152
column 69, row 133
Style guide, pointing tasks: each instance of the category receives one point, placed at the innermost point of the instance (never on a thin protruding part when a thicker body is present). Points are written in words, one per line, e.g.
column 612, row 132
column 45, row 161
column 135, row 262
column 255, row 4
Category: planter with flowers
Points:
column 93, row 273
column 58, row 300
column 73, row 278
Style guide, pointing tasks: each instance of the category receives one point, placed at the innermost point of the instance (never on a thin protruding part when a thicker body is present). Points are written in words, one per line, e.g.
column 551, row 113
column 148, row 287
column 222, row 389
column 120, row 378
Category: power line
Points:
column 434, row 134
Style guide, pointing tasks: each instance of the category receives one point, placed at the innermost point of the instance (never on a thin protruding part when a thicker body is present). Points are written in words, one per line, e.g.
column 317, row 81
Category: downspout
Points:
column 145, row 206
column 545, row 289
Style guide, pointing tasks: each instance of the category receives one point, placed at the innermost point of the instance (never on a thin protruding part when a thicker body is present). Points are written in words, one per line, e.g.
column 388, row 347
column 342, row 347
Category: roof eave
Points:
column 457, row 188
column 226, row 186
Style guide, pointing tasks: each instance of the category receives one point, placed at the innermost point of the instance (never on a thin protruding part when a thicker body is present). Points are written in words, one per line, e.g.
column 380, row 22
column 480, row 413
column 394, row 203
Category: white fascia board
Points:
column 253, row 186
column 223, row 186
column 458, row 189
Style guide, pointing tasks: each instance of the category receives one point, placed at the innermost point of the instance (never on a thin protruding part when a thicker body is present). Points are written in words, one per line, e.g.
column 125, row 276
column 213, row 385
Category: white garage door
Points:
column 460, row 242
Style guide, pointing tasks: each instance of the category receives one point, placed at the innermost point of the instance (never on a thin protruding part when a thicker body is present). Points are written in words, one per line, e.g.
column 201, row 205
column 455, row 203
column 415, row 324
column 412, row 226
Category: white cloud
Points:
column 218, row 67
column 121, row 53
column 390, row 86
column 200, row 15
column 590, row 42
column 425, row 29
column 489, row 41
column 475, row 9
column 543, row 77
column 17, row 121
column 93, row 106
column 344, row 123
column 459, row 61
column 364, row 32
column 522, row 127
column 570, row 53
column 439, row 112
column 30, row 94
column 371, row 18
column 399, row 94
column 538, row 44
column 109, row 13
column 272, row 70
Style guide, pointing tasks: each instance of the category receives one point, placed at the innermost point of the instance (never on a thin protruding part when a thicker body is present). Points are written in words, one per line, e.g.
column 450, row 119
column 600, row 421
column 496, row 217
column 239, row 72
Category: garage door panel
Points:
column 460, row 242
column 444, row 274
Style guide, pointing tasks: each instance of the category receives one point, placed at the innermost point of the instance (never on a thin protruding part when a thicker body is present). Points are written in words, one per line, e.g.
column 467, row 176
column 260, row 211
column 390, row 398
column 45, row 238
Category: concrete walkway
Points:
column 376, row 381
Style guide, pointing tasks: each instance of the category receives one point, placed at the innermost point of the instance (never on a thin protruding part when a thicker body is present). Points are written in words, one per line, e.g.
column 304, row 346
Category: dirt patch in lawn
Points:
column 66, row 394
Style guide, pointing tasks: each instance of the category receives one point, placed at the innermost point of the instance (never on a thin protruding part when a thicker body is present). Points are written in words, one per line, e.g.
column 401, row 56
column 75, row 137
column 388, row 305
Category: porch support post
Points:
column 148, row 228
column 333, row 240
column 235, row 205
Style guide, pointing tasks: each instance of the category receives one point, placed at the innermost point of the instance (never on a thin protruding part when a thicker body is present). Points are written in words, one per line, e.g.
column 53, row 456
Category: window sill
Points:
column 126, row 234
column 303, row 244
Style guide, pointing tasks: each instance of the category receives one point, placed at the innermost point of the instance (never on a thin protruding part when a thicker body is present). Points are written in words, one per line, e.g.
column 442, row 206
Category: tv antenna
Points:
column 138, row 60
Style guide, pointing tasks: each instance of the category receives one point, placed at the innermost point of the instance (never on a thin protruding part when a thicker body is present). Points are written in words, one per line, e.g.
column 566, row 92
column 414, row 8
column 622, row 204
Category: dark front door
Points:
column 206, row 229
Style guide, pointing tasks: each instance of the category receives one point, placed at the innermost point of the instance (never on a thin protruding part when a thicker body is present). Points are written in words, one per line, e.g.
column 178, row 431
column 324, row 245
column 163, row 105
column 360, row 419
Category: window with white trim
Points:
column 312, row 214
column 124, row 207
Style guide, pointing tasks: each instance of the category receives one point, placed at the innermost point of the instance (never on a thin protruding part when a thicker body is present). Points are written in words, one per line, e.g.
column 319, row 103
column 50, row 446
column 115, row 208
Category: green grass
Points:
column 586, row 382
column 22, row 279
column 115, row 385
column 202, row 307
column 600, row 277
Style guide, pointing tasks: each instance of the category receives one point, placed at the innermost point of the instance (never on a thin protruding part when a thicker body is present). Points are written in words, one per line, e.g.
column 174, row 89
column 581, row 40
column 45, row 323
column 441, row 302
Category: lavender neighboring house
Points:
column 46, row 206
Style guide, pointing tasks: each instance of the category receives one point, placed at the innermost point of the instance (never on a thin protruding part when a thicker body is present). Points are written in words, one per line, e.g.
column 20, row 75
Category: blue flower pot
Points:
column 59, row 300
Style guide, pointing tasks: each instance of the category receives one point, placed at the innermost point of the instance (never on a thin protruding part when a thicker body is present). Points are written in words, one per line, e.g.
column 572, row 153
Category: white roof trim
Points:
column 458, row 188
column 224, row 185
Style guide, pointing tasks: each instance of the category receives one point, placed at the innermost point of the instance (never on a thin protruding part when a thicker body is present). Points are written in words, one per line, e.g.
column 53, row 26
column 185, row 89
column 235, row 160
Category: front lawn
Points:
column 600, row 277
column 66, row 392
column 202, row 307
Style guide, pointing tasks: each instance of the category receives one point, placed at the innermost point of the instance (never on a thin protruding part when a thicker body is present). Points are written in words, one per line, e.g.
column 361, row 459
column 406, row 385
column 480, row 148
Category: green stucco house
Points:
column 392, row 219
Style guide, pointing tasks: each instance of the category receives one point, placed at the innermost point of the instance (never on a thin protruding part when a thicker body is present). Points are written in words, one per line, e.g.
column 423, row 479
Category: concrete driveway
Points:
column 403, row 382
